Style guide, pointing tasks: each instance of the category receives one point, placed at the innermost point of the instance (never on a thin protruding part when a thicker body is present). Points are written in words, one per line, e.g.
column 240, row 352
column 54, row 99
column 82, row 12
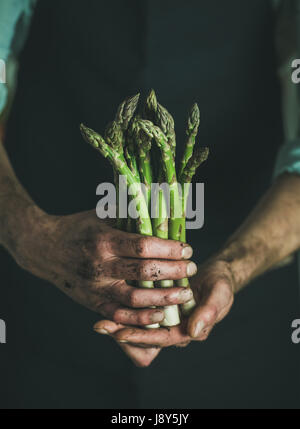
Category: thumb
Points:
column 214, row 305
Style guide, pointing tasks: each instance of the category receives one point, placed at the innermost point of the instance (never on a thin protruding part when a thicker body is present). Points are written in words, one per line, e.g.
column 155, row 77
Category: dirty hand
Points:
column 213, row 290
column 89, row 261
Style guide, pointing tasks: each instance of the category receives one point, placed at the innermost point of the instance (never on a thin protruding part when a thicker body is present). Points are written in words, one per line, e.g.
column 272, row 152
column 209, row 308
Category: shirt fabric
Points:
column 15, row 16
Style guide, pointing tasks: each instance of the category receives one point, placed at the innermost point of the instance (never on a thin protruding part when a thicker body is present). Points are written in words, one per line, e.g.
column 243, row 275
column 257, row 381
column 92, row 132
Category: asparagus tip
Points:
column 152, row 100
column 200, row 154
column 126, row 111
column 90, row 136
column 195, row 113
column 133, row 101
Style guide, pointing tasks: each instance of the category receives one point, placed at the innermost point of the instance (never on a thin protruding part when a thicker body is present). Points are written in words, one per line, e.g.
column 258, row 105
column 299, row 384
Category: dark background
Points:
column 81, row 59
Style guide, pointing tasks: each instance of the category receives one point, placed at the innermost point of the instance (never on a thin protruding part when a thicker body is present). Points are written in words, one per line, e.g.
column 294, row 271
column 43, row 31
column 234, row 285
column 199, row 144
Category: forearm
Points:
column 16, row 206
column 269, row 235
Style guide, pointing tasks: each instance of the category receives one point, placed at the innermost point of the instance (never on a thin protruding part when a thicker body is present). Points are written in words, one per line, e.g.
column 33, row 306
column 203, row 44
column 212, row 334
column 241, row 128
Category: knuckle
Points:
column 134, row 298
column 143, row 319
column 87, row 245
column 89, row 269
column 141, row 246
column 143, row 270
column 118, row 316
column 102, row 242
column 149, row 270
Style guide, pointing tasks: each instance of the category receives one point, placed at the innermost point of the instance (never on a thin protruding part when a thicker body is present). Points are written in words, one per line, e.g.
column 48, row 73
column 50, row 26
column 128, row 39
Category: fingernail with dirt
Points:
column 101, row 331
column 187, row 252
column 158, row 316
column 191, row 269
column 186, row 294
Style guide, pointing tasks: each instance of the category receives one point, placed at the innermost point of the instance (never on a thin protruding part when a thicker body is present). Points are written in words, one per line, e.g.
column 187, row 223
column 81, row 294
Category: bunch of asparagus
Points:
column 142, row 149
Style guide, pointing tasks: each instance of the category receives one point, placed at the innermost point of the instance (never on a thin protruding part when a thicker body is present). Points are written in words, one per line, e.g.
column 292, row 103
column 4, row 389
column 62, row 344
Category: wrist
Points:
column 243, row 261
column 19, row 219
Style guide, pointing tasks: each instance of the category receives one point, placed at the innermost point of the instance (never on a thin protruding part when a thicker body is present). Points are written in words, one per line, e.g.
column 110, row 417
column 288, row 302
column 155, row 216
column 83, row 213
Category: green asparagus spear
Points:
column 176, row 219
column 143, row 147
column 192, row 130
column 115, row 136
column 160, row 117
column 126, row 111
column 160, row 223
column 121, row 167
column 199, row 156
column 93, row 138
column 144, row 225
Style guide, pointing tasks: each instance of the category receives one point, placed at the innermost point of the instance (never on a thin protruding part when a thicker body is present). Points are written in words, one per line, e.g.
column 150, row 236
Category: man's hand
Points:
column 88, row 260
column 268, row 236
column 213, row 290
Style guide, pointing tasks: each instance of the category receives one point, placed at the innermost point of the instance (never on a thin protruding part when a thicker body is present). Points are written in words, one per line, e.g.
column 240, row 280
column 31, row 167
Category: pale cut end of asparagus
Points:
column 188, row 307
column 148, row 285
column 154, row 326
column 165, row 283
column 172, row 317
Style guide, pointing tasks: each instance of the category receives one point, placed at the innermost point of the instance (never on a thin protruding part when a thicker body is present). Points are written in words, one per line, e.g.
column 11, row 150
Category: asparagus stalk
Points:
column 172, row 314
column 161, row 117
column 198, row 157
column 143, row 147
column 160, row 223
column 191, row 131
column 118, row 163
column 127, row 146
column 115, row 136
column 176, row 219
column 124, row 116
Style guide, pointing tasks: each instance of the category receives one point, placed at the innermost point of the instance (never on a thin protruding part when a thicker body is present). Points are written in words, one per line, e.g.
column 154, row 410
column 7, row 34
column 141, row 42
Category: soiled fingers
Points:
column 149, row 269
column 141, row 357
column 137, row 246
column 135, row 297
column 128, row 316
column 161, row 337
